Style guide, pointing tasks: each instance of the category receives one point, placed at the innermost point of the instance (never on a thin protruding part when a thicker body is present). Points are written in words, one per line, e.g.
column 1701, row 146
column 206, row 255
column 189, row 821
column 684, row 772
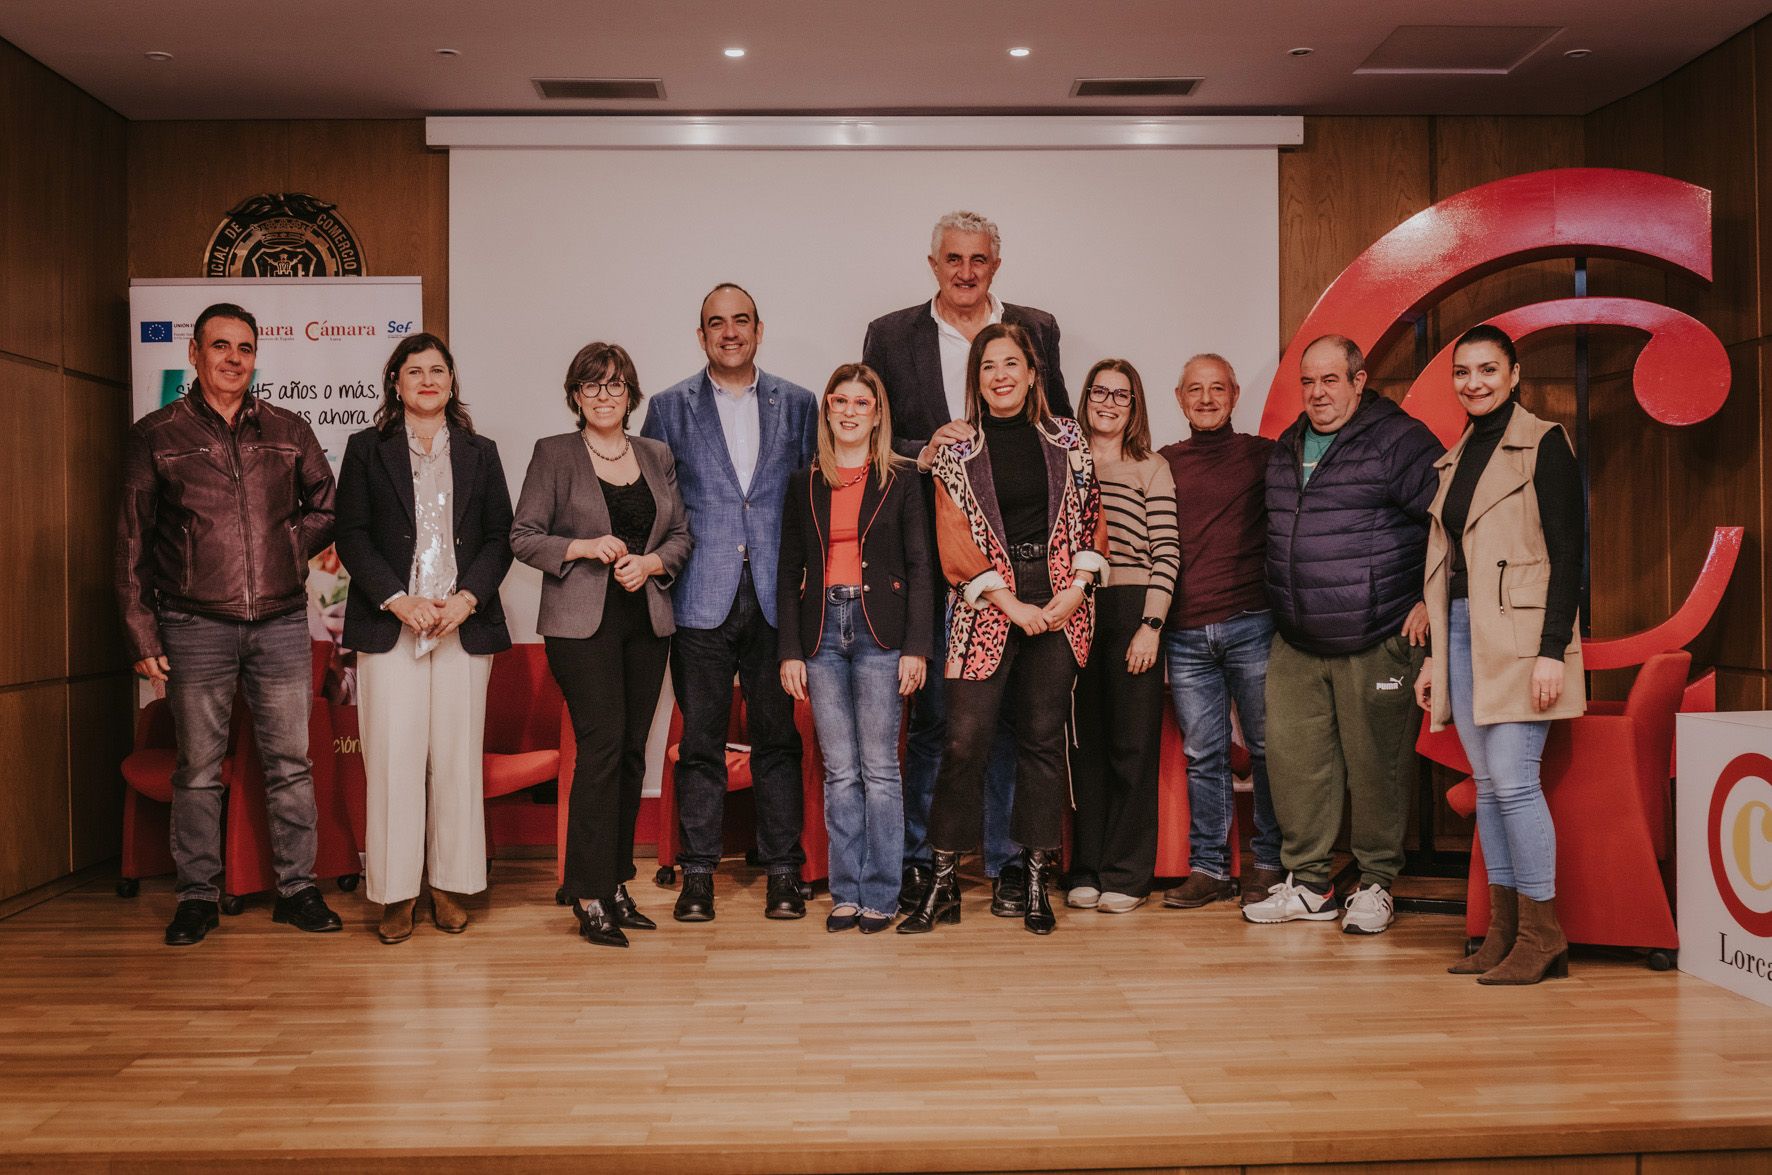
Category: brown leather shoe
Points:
column 1199, row 890
column 396, row 921
column 1504, row 927
column 1258, row 883
column 447, row 913
column 1540, row 951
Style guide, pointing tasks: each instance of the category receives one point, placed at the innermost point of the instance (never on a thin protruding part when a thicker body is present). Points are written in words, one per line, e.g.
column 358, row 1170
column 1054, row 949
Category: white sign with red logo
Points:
column 1724, row 822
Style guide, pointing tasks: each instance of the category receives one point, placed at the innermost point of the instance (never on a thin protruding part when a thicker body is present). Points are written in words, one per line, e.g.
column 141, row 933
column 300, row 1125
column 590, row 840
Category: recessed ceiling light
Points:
column 157, row 55
column 1019, row 51
column 449, row 53
column 1577, row 54
column 1301, row 51
column 735, row 51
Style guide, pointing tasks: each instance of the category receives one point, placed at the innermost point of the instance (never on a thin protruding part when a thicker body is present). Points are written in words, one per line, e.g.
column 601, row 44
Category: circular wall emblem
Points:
column 283, row 234
column 1739, row 837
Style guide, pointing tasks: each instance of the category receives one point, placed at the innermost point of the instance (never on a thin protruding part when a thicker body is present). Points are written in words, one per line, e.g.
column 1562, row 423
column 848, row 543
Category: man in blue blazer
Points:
column 736, row 432
column 920, row 354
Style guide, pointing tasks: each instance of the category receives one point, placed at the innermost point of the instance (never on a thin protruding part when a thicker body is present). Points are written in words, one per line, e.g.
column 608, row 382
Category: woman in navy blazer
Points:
column 601, row 517
column 854, row 585
column 424, row 522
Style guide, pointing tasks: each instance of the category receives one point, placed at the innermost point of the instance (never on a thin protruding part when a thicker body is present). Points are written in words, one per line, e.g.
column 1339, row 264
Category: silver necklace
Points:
column 625, row 446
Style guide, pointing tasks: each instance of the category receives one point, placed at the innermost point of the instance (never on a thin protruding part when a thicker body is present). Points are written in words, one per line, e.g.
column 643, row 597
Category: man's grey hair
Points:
column 963, row 221
column 1356, row 358
column 1211, row 357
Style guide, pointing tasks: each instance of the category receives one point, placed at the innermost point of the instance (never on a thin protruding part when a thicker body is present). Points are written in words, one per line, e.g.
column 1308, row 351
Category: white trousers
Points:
column 423, row 725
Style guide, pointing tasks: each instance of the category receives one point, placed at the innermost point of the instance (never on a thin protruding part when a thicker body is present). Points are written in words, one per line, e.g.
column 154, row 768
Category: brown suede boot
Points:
column 1540, row 952
column 447, row 913
column 1504, row 927
column 396, row 921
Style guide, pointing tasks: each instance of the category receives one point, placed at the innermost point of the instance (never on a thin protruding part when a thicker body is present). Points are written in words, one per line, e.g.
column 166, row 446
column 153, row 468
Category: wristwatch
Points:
column 1155, row 622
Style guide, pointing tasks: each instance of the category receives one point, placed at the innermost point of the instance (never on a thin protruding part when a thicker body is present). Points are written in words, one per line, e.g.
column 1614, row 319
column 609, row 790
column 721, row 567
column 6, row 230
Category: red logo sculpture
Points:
column 1681, row 376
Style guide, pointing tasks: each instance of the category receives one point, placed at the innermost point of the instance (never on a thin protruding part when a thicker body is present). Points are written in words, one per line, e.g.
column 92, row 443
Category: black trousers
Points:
column 703, row 662
column 1119, row 718
column 1034, row 680
column 611, row 682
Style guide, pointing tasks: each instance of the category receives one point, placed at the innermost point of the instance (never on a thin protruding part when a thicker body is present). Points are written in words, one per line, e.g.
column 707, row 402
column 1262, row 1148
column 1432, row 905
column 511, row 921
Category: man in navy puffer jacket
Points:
column 1348, row 488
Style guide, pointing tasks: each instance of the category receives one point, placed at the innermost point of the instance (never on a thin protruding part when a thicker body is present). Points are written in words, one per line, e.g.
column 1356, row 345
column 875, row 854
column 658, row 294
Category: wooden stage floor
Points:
column 1154, row 1040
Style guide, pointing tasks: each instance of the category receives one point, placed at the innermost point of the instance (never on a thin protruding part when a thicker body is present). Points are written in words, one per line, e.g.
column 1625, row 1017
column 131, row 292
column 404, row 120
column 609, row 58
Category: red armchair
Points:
column 147, row 801
column 1607, row 783
column 524, row 721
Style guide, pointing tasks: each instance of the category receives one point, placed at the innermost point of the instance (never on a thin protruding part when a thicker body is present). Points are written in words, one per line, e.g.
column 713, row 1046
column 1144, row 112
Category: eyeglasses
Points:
column 613, row 390
column 1119, row 397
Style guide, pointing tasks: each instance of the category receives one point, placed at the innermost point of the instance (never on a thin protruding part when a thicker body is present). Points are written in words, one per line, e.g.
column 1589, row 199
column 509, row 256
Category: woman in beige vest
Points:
column 1503, row 584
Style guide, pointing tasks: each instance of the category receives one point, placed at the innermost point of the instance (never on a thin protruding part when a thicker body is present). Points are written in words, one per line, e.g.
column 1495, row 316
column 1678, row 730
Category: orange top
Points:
column 843, row 565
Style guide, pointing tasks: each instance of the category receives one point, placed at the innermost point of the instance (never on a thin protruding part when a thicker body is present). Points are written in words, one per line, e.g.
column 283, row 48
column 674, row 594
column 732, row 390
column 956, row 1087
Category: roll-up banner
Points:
column 321, row 346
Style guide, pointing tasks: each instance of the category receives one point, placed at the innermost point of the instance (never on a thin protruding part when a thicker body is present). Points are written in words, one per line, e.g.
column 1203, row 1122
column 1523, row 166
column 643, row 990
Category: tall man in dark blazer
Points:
column 920, row 352
column 736, row 432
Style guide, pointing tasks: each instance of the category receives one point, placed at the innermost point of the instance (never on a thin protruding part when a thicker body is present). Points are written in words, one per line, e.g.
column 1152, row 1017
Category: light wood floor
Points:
column 1158, row 1039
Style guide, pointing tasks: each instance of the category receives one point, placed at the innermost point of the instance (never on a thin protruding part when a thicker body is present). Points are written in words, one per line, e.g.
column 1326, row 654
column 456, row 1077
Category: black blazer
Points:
column 376, row 527
column 904, row 348
column 896, row 573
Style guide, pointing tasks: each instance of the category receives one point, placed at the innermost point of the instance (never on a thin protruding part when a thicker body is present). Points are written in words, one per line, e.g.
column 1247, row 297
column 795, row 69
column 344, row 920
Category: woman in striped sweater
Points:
column 1119, row 699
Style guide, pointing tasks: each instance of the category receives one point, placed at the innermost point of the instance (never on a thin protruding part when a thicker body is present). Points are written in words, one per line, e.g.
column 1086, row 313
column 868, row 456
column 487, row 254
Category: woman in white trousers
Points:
column 424, row 521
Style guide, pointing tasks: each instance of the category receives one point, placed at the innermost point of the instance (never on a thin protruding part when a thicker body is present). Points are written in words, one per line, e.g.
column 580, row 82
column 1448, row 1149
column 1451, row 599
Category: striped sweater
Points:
column 1138, row 501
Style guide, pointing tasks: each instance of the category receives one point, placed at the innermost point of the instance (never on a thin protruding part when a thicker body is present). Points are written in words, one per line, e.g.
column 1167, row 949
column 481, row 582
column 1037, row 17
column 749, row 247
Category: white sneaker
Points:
column 1118, row 903
column 1082, row 897
column 1290, row 901
column 1369, row 911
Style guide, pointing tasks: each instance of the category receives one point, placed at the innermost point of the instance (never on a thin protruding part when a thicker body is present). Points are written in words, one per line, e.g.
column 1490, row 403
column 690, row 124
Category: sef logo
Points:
column 396, row 329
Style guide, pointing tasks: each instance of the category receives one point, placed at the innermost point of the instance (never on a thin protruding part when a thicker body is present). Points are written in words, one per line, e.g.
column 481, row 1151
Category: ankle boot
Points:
column 447, row 913
column 1540, row 951
column 1042, row 868
column 941, row 903
column 396, row 921
column 1504, row 927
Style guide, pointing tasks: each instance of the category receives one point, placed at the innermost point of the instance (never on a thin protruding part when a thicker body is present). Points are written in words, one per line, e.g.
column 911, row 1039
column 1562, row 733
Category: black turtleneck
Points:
column 1557, row 483
column 1018, row 473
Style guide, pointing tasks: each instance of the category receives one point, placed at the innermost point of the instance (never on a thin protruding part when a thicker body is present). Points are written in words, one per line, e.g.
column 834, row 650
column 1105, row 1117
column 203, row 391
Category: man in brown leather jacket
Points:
column 225, row 498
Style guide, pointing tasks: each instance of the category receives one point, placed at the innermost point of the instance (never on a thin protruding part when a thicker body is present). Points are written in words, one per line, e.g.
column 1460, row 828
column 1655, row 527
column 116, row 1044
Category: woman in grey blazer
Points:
column 601, row 518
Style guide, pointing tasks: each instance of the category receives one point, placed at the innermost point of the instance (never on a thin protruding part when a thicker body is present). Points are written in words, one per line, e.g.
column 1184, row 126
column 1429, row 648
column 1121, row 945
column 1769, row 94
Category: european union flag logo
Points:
column 156, row 332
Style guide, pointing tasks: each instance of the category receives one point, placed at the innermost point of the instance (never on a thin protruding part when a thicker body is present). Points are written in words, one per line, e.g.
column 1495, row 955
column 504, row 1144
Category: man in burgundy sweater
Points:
column 1219, row 629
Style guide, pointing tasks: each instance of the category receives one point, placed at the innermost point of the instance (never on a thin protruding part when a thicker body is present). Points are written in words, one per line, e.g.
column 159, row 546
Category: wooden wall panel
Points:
column 34, row 802
column 95, row 306
column 1710, row 139
column 97, row 421
column 33, row 525
column 35, row 112
column 390, row 188
column 1354, row 180
column 101, row 714
column 1628, row 134
column 1473, row 151
column 1627, row 512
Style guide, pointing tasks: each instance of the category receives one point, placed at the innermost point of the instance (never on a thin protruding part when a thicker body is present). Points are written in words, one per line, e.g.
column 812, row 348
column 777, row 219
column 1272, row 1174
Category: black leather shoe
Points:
column 696, row 902
column 597, row 925
column 191, row 921
column 941, row 901
column 1042, row 866
column 835, row 923
column 627, row 915
column 1009, row 891
column 783, row 900
column 306, row 910
column 915, row 883
column 875, row 923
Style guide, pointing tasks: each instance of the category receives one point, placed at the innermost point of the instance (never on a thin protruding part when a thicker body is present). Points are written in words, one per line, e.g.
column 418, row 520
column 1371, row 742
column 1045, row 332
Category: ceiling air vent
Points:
column 1134, row 87
column 599, row 89
column 1457, row 49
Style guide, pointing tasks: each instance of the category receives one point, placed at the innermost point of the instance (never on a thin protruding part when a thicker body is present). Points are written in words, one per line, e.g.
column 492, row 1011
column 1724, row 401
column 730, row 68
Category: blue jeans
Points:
column 1209, row 668
column 1513, row 821
column 853, row 684
column 271, row 661
column 922, row 763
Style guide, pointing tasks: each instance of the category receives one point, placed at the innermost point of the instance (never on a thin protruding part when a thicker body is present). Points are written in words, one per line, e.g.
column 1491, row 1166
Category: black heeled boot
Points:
column 1042, row 868
column 941, row 903
column 596, row 922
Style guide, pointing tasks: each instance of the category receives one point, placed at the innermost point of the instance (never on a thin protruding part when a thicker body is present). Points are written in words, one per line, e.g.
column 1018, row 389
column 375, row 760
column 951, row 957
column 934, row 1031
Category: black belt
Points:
column 843, row 591
column 1027, row 552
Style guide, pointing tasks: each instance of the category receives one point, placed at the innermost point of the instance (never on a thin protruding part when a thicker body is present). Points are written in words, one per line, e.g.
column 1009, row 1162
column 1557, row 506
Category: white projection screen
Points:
column 1151, row 254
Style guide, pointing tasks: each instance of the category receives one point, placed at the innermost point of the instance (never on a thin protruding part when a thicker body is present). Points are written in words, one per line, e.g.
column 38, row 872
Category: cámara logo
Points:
column 283, row 234
column 1738, row 834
